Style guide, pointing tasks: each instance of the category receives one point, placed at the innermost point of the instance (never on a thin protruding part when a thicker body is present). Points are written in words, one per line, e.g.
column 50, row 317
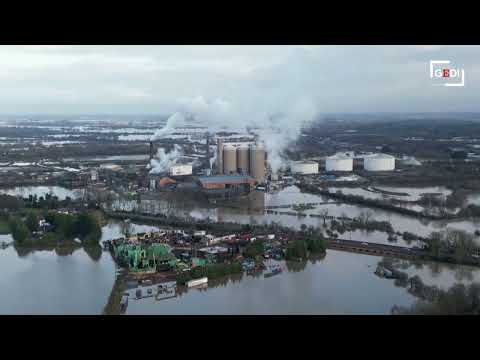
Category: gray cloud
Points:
column 143, row 79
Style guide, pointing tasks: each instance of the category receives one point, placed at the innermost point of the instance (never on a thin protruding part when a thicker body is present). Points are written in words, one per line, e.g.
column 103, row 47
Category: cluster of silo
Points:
column 241, row 158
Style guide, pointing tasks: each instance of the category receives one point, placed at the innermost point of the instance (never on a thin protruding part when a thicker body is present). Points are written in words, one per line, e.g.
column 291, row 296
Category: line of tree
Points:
column 454, row 244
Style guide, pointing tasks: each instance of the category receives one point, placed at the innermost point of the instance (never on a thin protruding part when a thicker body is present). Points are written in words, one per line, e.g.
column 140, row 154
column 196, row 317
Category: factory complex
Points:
column 231, row 164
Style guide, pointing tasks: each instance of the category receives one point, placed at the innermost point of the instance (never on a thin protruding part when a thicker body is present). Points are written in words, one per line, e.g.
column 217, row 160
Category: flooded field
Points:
column 251, row 211
column 79, row 281
column 109, row 158
column 408, row 193
column 45, row 282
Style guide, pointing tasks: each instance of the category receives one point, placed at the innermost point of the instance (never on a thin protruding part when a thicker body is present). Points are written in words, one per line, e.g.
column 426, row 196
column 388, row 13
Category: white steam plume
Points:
column 173, row 121
column 163, row 161
column 277, row 122
column 275, row 101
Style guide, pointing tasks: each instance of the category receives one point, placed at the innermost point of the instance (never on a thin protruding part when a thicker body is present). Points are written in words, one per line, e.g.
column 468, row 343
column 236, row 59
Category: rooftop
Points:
column 380, row 156
column 224, row 178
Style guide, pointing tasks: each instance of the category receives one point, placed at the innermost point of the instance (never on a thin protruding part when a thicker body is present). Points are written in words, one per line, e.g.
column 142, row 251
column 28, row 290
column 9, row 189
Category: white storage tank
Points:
column 339, row 162
column 181, row 170
column 304, row 167
column 229, row 159
column 379, row 162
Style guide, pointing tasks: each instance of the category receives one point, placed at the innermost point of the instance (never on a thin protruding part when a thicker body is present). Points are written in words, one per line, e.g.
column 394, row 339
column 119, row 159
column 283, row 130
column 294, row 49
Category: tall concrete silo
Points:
column 229, row 159
column 220, row 156
column 243, row 159
column 257, row 162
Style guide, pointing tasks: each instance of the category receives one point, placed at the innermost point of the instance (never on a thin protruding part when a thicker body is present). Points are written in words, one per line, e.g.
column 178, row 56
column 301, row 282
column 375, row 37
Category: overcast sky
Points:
column 156, row 79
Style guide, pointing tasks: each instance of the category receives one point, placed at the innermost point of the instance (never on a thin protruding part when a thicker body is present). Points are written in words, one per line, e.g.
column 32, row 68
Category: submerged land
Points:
column 86, row 177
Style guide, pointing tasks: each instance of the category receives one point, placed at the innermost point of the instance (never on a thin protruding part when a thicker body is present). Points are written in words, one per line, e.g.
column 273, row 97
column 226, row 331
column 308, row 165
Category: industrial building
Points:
column 304, row 167
column 226, row 185
column 180, row 170
column 379, row 162
column 339, row 162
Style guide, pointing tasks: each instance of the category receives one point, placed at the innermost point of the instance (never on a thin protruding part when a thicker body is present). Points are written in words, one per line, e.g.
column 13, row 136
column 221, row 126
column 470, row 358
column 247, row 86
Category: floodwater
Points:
column 58, row 282
column 340, row 283
column 473, row 199
column 80, row 281
column 43, row 282
column 61, row 192
column 251, row 212
column 414, row 194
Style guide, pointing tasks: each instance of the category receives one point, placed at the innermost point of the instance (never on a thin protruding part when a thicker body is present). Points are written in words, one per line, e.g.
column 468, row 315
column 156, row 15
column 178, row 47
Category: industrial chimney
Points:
column 151, row 150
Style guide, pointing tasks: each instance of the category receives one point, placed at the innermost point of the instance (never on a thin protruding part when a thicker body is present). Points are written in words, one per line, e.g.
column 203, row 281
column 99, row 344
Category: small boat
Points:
column 124, row 303
column 197, row 282
column 274, row 270
column 149, row 291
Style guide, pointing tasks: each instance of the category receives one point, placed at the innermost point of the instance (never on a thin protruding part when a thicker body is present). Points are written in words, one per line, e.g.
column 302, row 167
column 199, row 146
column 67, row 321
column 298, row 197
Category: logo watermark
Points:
column 444, row 75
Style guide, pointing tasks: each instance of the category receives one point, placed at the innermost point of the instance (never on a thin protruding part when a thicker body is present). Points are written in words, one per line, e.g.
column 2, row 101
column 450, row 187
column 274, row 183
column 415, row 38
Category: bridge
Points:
column 374, row 248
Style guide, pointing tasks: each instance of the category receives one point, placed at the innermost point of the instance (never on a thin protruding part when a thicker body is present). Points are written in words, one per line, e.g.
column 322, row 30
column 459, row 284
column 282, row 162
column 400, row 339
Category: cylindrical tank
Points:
column 257, row 162
column 339, row 162
column 243, row 159
column 379, row 162
column 220, row 156
column 229, row 159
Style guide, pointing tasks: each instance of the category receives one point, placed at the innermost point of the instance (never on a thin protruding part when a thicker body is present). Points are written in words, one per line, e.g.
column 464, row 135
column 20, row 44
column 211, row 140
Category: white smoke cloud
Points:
column 163, row 161
column 173, row 121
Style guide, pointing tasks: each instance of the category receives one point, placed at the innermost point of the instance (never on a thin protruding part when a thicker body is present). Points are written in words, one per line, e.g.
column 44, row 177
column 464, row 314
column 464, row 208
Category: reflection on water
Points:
column 340, row 283
column 52, row 282
column 113, row 230
column 248, row 211
column 442, row 275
